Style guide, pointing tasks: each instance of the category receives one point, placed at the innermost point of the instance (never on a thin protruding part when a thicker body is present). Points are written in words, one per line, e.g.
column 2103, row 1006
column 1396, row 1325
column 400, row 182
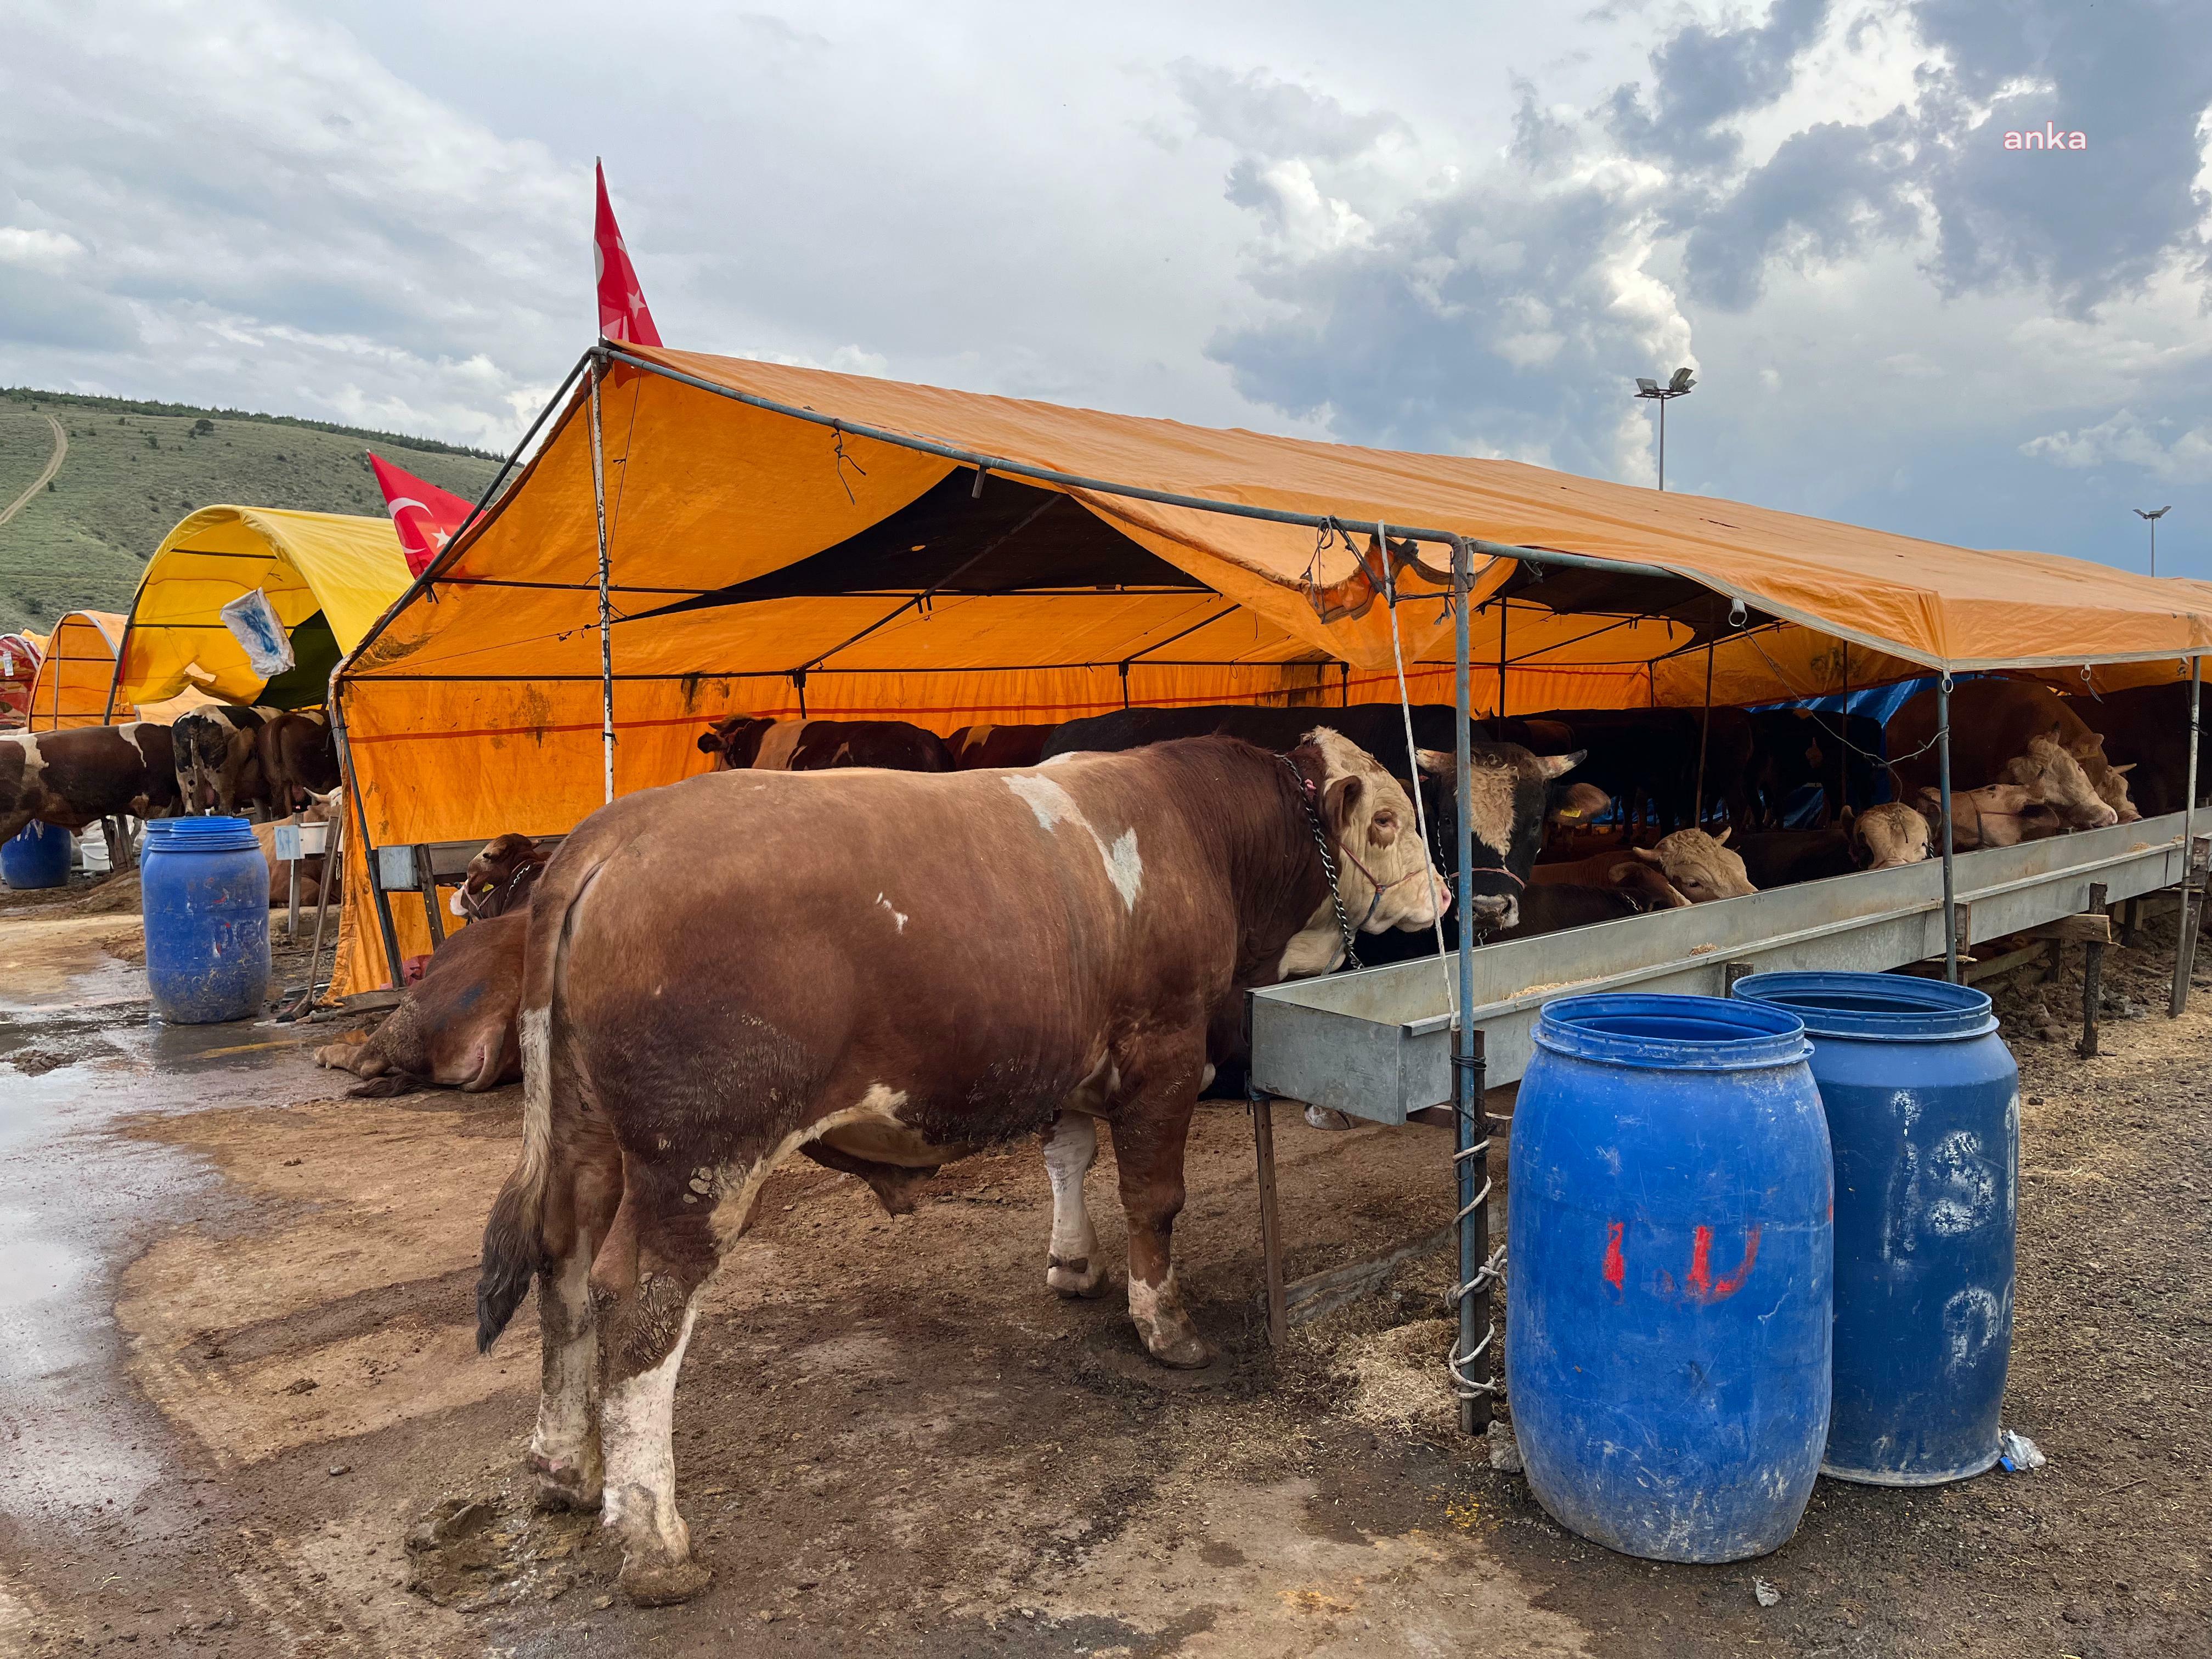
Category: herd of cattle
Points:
column 1079, row 911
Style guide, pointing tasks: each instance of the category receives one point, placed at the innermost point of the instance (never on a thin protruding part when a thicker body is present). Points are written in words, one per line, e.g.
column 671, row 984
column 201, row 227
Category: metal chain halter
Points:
column 1328, row 859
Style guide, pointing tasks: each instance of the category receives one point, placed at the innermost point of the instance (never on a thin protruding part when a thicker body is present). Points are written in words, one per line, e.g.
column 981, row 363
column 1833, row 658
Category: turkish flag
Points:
column 425, row 515
column 622, row 313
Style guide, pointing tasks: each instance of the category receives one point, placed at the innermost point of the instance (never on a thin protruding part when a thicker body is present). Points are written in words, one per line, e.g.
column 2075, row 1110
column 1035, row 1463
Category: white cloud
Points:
column 2183, row 457
column 47, row 251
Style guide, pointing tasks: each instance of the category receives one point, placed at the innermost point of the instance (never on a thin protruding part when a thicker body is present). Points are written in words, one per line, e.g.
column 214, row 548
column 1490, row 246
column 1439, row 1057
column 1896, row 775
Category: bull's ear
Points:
column 1436, row 762
column 1721, row 839
column 1340, row 799
column 710, row 743
column 1843, row 818
column 1558, row 766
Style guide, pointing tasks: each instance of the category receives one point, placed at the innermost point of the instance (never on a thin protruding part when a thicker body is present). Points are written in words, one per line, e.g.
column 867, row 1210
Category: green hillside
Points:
column 132, row 469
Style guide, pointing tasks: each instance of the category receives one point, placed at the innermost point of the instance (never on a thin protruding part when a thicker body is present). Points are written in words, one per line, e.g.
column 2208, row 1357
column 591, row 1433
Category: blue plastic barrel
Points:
column 206, row 902
column 1669, row 1257
column 38, row 857
column 1923, row 1111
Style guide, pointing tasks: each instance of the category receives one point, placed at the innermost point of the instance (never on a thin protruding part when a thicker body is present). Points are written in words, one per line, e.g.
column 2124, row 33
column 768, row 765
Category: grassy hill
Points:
column 134, row 468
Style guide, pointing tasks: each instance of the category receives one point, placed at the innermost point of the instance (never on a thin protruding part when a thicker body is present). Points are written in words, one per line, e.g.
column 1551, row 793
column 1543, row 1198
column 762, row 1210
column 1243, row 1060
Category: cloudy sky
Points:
column 1447, row 227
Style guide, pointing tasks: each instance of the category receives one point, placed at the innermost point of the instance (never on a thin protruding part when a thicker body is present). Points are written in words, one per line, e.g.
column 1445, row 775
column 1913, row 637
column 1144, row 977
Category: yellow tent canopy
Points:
column 783, row 540
column 77, row 672
column 347, row 567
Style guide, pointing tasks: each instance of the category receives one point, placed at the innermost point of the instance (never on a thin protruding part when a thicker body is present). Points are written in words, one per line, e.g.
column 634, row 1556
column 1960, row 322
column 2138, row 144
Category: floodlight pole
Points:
column 1680, row 386
column 606, row 605
column 2151, row 516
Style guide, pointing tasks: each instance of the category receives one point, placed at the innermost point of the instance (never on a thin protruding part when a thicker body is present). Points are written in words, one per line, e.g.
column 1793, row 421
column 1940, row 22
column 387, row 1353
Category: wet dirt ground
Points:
column 240, row 1412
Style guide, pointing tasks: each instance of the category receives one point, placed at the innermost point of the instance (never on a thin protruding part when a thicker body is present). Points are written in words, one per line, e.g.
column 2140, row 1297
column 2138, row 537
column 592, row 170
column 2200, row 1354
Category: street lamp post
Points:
column 2151, row 518
column 1678, row 387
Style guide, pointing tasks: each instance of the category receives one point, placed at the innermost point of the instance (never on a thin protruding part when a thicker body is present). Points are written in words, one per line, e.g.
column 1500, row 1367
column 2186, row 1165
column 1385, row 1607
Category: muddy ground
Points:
column 243, row 1414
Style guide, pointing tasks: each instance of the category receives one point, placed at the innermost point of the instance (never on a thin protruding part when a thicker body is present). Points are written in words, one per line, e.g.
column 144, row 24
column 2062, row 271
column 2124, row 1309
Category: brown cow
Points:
column 455, row 1026
column 498, row 878
column 1995, row 815
column 1697, row 865
column 219, row 759
column 2147, row 726
column 748, row 741
column 729, row 969
column 1992, row 722
column 73, row 779
column 297, row 758
column 977, row 747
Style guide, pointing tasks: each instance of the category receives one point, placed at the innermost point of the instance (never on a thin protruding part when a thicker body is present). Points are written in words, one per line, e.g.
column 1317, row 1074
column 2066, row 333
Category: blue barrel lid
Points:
column 1886, row 1007
column 201, row 835
column 1672, row 1033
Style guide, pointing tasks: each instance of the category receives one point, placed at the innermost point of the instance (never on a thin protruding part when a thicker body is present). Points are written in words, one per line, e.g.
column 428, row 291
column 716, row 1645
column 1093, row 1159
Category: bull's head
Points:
column 2055, row 778
column 1384, row 875
column 1700, row 865
column 1511, row 794
column 498, row 878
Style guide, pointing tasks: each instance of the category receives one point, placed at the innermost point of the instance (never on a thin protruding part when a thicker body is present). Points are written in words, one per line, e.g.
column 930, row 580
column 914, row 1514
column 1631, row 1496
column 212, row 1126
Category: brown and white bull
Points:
column 903, row 968
column 297, row 758
column 218, row 751
column 1992, row 723
column 76, row 778
column 1698, row 865
column 500, row 877
column 746, row 741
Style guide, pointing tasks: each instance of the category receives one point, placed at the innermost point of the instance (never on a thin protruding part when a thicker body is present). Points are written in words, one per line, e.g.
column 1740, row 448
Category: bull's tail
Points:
column 514, row 1241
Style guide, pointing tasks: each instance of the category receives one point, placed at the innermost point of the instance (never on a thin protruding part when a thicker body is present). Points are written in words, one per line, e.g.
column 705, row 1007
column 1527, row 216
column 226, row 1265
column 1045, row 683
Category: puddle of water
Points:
column 82, row 1201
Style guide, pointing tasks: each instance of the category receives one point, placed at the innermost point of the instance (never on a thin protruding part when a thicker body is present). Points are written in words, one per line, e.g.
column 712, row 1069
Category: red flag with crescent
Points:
column 425, row 515
column 623, row 314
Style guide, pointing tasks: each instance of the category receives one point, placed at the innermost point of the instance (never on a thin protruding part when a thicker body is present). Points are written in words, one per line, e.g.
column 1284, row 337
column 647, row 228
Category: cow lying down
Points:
column 454, row 1028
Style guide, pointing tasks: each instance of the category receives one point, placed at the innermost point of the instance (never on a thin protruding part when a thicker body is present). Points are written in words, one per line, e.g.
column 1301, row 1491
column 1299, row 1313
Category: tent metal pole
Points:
column 1943, row 776
column 607, row 602
column 1843, row 744
column 1501, row 660
column 2184, row 950
column 1470, row 1364
column 1543, row 555
column 386, row 929
column 1704, row 731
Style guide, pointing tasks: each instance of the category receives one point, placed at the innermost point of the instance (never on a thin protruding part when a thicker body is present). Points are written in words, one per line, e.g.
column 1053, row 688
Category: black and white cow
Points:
column 76, row 778
column 218, row 759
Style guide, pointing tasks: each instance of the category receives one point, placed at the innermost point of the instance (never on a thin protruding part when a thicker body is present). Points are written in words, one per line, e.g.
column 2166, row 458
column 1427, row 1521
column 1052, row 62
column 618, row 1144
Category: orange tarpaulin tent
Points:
column 77, row 672
column 783, row 540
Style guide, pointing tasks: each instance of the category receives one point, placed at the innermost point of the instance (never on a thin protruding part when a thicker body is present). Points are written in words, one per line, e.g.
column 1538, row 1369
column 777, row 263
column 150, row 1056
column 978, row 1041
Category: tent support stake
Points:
column 2185, row 950
column 606, row 606
column 1943, row 776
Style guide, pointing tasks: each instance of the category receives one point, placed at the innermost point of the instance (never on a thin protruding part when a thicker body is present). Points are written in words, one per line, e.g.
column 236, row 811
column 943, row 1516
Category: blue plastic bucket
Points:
column 1922, row 1100
column 206, row 903
column 1668, row 1265
column 37, row 857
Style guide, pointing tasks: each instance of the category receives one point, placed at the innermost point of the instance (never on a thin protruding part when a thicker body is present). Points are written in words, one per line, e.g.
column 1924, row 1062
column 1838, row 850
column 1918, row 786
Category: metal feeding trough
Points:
column 1378, row 1045
column 1383, row 1044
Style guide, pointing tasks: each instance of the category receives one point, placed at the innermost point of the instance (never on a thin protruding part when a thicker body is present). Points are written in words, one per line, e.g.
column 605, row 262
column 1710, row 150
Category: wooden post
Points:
column 1271, row 1224
column 2093, row 977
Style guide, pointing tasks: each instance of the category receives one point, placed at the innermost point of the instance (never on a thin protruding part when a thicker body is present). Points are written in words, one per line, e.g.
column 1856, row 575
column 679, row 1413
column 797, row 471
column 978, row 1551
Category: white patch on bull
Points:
column 1205, row 1078
column 566, row 1444
column 897, row 915
column 740, row 1197
column 640, row 1457
column 537, row 1030
column 1072, row 1264
column 1971, row 1321
column 1315, row 948
column 777, row 746
column 453, row 902
column 1056, row 760
column 1054, row 806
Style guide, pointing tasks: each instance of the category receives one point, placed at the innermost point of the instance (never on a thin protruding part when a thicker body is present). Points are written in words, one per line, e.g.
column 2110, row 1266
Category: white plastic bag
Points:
column 254, row 621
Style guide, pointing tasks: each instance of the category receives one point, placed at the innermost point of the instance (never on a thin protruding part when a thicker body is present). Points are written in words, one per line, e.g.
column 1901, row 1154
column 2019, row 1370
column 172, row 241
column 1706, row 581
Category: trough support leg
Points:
column 1271, row 1222
column 292, row 899
column 2192, row 918
column 2092, row 978
column 2131, row 919
column 1470, row 1358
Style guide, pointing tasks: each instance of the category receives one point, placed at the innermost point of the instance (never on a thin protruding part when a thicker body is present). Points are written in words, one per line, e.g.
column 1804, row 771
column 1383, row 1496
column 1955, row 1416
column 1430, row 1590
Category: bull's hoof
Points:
column 1187, row 1353
column 564, row 1486
column 660, row 1583
column 1080, row 1278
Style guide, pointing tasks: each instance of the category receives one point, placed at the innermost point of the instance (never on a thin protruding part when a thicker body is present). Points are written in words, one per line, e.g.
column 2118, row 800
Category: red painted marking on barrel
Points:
column 1701, row 1265
column 1616, row 1267
column 1729, row 1286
